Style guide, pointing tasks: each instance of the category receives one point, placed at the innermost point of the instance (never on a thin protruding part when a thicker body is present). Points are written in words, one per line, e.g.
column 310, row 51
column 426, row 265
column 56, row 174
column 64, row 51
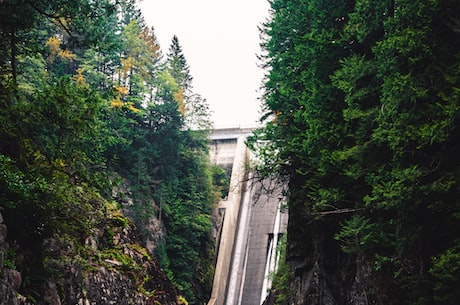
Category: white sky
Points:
column 220, row 41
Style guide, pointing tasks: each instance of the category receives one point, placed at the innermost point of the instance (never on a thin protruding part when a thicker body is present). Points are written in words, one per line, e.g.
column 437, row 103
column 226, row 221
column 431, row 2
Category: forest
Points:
column 361, row 103
column 103, row 144
column 98, row 123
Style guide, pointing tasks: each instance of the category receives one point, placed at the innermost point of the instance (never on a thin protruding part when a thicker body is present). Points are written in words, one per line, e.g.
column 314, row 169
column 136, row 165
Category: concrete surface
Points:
column 251, row 227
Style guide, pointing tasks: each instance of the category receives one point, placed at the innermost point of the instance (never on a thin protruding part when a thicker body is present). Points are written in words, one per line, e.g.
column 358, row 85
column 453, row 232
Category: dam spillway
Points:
column 252, row 222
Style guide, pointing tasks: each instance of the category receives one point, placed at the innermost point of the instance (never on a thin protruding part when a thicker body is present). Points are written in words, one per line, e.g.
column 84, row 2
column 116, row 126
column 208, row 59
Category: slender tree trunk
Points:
column 130, row 83
column 14, row 68
column 392, row 8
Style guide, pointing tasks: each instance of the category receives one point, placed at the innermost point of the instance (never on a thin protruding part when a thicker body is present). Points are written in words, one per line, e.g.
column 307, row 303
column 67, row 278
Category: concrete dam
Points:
column 253, row 218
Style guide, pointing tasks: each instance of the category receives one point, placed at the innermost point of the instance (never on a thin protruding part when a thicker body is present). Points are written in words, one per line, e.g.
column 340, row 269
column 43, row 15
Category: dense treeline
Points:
column 88, row 99
column 362, row 108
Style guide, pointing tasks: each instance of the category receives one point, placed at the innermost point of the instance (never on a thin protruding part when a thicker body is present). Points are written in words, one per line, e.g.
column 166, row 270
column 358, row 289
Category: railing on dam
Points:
column 252, row 223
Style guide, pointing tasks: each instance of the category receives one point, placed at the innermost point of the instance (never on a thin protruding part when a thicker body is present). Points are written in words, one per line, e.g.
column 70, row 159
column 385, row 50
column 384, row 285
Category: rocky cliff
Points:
column 109, row 267
column 318, row 272
column 326, row 276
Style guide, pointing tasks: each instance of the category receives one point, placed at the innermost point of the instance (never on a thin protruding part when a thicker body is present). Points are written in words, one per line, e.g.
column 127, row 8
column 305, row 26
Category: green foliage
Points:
column 220, row 180
column 446, row 271
column 87, row 101
column 177, row 64
column 116, row 258
column 362, row 111
column 357, row 233
column 186, row 205
column 13, row 183
column 283, row 277
column 9, row 258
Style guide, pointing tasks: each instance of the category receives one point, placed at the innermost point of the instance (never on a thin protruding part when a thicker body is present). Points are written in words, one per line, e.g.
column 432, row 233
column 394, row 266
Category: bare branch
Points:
column 338, row 211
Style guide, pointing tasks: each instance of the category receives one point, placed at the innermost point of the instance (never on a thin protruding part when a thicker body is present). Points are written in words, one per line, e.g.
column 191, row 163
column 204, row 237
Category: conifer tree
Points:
column 362, row 102
column 177, row 65
column 84, row 95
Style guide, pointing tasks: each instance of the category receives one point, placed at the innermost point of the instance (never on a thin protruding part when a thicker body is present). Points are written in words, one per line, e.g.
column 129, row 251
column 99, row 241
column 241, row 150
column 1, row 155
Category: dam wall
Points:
column 253, row 220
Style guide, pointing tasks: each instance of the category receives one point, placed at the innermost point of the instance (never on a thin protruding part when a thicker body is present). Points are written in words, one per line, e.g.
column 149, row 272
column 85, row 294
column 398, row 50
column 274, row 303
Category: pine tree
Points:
column 177, row 65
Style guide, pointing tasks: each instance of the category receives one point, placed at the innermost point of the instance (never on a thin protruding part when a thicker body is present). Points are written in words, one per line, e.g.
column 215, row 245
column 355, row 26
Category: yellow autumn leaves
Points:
column 54, row 44
column 117, row 103
column 56, row 52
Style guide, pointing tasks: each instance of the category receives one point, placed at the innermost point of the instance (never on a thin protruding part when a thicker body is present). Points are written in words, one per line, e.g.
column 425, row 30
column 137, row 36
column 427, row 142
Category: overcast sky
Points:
column 220, row 41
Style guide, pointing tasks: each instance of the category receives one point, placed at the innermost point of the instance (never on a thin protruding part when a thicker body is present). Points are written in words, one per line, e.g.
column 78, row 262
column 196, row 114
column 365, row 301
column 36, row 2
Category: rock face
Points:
column 323, row 275
column 10, row 279
column 130, row 276
column 319, row 286
column 106, row 286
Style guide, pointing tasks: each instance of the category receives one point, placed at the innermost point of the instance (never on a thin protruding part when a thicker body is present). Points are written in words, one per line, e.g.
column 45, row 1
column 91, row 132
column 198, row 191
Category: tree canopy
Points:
column 361, row 108
column 87, row 100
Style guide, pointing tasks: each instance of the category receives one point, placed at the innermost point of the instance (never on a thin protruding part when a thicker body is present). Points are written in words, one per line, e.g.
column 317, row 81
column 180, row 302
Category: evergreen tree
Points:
column 193, row 107
column 16, row 18
column 177, row 65
column 86, row 95
column 304, row 109
column 361, row 98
